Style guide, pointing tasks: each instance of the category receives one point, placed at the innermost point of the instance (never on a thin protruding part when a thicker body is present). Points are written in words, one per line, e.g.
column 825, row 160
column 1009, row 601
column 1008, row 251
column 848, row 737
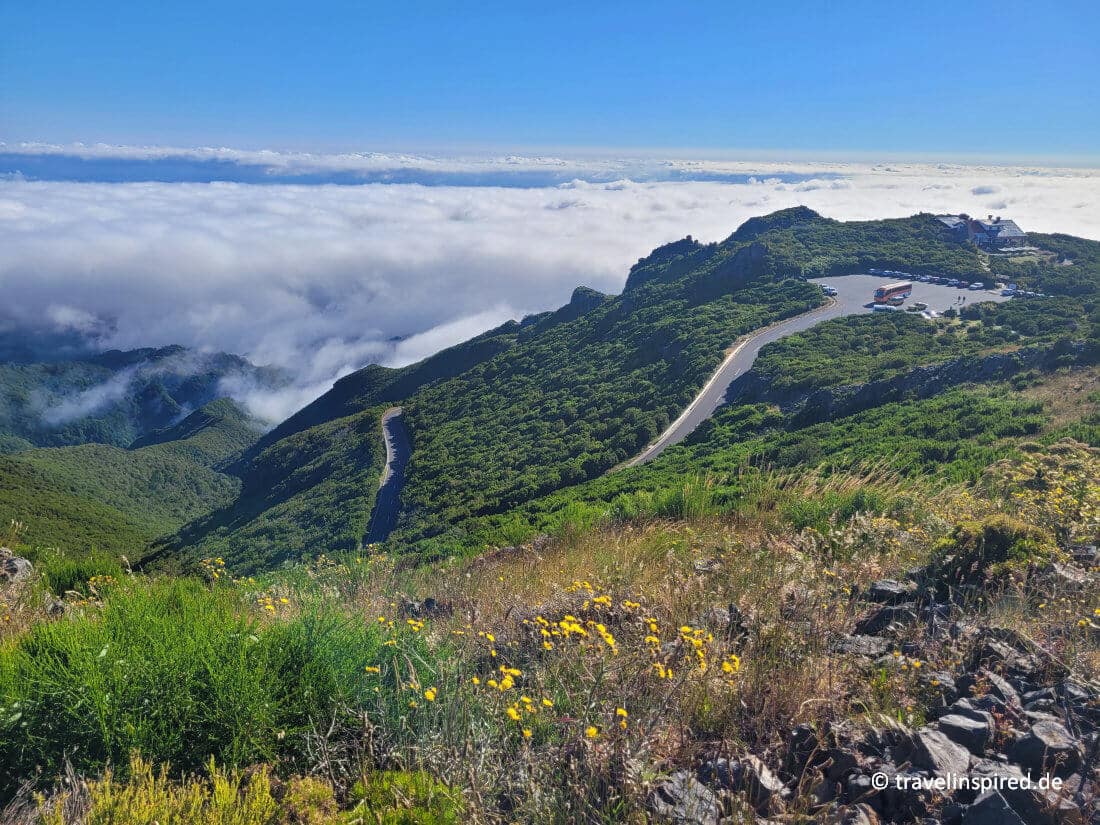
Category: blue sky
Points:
column 1004, row 80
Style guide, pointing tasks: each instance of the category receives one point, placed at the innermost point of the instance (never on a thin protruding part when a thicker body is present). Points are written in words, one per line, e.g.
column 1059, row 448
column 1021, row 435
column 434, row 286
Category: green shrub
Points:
column 180, row 674
column 978, row 551
column 407, row 798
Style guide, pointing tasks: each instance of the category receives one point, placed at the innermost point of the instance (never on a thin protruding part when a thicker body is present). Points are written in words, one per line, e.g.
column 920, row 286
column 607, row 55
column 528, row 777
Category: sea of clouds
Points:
column 294, row 261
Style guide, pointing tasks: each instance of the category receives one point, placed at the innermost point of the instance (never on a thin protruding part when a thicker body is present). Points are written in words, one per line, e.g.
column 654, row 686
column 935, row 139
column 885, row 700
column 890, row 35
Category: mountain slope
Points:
column 562, row 397
column 113, row 397
column 148, row 491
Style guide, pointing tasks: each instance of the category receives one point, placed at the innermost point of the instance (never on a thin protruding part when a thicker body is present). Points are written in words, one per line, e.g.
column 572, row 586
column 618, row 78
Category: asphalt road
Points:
column 386, row 504
column 854, row 293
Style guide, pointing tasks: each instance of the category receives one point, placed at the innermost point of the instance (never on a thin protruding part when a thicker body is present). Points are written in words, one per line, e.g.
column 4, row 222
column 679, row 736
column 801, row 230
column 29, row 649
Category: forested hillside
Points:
column 561, row 398
column 112, row 397
column 95, row 496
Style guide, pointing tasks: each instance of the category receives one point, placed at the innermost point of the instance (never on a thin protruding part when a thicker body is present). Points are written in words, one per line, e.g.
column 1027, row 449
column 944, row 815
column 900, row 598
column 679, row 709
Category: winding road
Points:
column 853, row 296
column 387, row 503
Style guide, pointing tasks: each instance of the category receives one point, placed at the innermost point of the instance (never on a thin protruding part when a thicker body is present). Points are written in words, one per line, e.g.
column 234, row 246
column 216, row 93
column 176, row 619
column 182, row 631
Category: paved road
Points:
column 386, row 505
column 854, row 294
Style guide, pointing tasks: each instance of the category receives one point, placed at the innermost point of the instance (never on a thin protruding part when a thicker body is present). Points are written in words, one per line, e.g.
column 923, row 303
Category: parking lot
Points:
column 855, row 293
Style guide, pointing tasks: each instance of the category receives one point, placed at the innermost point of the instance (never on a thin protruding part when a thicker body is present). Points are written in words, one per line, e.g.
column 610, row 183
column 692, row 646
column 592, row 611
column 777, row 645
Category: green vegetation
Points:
column 111, row 398
column 992, row 546
column 951, row 437
column 181, row 673
column 309, row 493
column 97, row 496
column 562, row 397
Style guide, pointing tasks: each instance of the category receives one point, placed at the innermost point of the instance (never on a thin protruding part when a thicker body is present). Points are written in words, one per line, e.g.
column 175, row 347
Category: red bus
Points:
column 902, row 290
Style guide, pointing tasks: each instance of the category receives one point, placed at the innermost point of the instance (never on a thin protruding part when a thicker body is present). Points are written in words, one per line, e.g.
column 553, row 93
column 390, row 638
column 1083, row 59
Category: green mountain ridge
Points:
column 516, row 430
column 534, row 408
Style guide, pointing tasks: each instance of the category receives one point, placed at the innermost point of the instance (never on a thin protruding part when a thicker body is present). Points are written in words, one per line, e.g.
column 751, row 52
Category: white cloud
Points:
column 323, row 279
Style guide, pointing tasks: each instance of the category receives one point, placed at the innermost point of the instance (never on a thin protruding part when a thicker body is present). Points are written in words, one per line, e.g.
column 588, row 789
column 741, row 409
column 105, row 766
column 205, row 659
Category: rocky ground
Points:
column 1007, row 718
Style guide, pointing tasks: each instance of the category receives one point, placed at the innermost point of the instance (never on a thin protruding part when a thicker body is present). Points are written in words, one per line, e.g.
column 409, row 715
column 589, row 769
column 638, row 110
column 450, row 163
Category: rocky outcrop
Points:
column 13, row 568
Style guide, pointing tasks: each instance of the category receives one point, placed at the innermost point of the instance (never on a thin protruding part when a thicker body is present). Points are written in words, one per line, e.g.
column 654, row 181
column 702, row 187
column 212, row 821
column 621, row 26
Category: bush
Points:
column 408, row 798
column 180, row 674
column 978, row 551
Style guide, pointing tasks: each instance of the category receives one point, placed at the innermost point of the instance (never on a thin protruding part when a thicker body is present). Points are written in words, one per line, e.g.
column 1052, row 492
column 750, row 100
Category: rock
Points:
column 1047, row 748
column 841, row 763
column 1058, row 579
column 860, row 814
column 986, row 683
column 747, row 775
column 933, row 751
column 991, row 809
column 967, row 708
column 972, row 734
column 870, row 646
column 886, row 618
column 684, row 800
column 803, row 746
column 12, row 567
column 890, row 591
column 940, row 684
column 1032, row 805
column 1086, row 555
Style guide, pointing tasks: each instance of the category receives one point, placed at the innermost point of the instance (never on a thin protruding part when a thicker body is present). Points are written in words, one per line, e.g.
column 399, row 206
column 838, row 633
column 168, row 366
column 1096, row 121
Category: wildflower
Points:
column 591, row 731
column 621, row 712
column 548, row 703
column 413, row 704
column 390, row 643
column 547, row 645
column 916, row 663
column 372, row 669
column 284, row 600
column 513, row 713
column 475, row 680
column 526, row 733
column 732, row 664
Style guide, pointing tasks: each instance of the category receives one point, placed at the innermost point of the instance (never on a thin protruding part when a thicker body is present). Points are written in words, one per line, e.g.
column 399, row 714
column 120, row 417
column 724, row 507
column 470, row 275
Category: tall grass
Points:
column 179, row 673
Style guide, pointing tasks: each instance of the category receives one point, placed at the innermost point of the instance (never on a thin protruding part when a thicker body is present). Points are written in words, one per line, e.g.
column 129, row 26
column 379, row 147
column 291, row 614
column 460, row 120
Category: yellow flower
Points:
column 513, row 713
column 621, row 712
column 547, row 703
column 429, row 694
column 591, row 731
column 526, row 733
column 475, row 680
column 372, row 669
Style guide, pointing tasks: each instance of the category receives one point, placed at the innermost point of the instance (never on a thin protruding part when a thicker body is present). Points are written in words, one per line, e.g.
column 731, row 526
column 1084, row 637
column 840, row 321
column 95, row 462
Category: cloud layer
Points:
column 322, row 279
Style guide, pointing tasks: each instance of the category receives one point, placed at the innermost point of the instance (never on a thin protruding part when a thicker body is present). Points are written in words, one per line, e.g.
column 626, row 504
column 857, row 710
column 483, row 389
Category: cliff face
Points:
column 920, row 382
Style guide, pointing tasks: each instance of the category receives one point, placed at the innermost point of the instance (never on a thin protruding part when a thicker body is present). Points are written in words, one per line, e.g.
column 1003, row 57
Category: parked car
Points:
column 828, row 290
column 977, row 285
column 885, row 308
column 1008, row 292
column 953, row 282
